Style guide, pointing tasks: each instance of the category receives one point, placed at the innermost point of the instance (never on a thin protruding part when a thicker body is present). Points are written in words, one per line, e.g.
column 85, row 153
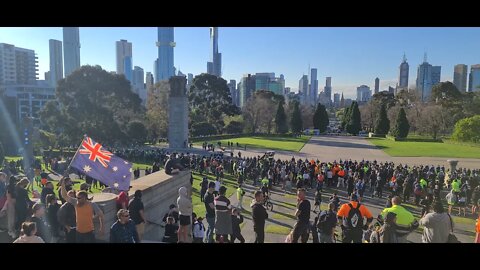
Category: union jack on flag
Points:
column 95, row 152
column 94, row 160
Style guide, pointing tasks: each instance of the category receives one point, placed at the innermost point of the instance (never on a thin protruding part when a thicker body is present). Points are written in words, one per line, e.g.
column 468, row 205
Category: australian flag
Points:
column 95, row 161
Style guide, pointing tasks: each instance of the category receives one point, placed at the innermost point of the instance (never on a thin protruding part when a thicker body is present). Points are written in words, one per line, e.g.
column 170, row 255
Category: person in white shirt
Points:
column 198, row 231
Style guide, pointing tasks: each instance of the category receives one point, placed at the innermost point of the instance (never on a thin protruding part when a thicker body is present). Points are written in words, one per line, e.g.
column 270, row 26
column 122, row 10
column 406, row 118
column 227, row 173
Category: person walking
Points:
column 137, row 214
column 302, row 226
column 405, row 221
column 437, row 225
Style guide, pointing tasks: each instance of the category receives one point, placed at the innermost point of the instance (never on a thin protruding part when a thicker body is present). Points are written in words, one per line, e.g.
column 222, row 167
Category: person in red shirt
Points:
column 122, row 200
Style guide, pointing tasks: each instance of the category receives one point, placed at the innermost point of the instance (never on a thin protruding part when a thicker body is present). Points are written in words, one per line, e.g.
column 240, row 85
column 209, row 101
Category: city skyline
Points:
column 351, row 56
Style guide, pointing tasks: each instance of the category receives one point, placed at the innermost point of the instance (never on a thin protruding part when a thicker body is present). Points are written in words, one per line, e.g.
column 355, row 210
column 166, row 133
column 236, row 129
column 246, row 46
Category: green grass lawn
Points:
column 198, row 206
column 273, row 143
column 426, row 149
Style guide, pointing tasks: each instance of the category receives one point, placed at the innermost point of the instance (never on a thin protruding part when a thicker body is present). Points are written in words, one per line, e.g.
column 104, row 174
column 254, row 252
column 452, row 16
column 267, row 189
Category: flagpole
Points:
column 68, row 168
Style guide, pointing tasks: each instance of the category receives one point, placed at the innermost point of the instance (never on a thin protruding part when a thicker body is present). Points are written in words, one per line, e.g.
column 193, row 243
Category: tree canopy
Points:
column 296, row 120
column 210, row 100
column 95, row 102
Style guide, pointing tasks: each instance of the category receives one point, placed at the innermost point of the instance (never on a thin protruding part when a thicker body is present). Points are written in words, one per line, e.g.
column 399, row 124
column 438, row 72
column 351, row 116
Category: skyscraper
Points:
column 164, row 64
column 427, row 77
column 328, row 89
column 377, row 85
column 336, row 99
column 232, row 86
column 313, row 96
column 403, row 75
column 303, row 89
column 214, row 67
column 246, row 87
column 363, row 93
column 474, row 79
column 138, row 78
column 56, row 62
column 148, row 80
column 124, row 50
column 17, row 65
column 127, row 68
column 460, row 77
column 71, row 49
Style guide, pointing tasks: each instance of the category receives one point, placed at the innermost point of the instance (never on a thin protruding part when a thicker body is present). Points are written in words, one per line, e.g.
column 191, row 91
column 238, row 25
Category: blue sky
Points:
column 351, row 56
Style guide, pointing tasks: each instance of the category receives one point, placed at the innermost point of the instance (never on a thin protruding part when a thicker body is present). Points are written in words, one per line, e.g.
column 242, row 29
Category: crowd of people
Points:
column 423, row 186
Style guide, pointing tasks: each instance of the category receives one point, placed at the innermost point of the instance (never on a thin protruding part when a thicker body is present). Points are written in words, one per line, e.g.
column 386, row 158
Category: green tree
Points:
column 234, row 127
column 346, row 118
column 296, row 120
column 382, row 124
column 157, row 110
column 137, row 132
column 281, row 120
column 320, row 118
column 446, row 93
column 95, row 102
column 203, row 129
column 354, row 122
column 467, row 130
column 402, row 127
column 210, row 100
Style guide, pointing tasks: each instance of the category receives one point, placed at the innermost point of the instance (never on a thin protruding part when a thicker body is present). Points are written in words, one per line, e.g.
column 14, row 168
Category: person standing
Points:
column 352, row 215
column 85, row 211
column 237, row 219
column 240, row 193
column 185, row 211
column 29, row 229
column 302, row 226
column 327, row 221
column 259, row 215
column 23, row 202
column 223, row 216
column 137, row 214
column 210, row 211
column 405, row 221
column 66, row 218
column 123, row 230
column 38, row 217
column 437, row 225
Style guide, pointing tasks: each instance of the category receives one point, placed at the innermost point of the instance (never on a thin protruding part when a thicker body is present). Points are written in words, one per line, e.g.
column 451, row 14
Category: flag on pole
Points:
column 95, row 161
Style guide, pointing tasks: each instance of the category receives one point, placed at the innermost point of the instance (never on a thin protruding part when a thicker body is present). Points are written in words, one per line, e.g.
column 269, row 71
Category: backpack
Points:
column 354, row 220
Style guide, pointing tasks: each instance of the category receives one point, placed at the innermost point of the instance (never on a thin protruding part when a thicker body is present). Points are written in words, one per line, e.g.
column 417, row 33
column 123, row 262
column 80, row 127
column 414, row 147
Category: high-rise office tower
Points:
column 377, row 85
column 474, row 79
column 403, row 75
column 164, row 65
column 328, row 89
column 303, row 89
column 336, row 99
column 313, row 96
column 427, row 77
column 232, row 86
column 148, row 80
column 460, row 77
column 246, row 87
column 124, row 50
column 71, row 49
column 363, row 93
column 214, row 67
column 56, row 62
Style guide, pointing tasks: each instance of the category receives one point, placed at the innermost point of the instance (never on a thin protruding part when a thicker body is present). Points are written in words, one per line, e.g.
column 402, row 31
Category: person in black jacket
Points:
column 52, row 211
column 67, row 219
column 259, row 215
column 327, row 221
column 237, row 219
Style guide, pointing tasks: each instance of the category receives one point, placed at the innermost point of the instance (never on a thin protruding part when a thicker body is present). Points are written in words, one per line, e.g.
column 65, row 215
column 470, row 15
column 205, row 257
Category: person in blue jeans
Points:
column 210, row 211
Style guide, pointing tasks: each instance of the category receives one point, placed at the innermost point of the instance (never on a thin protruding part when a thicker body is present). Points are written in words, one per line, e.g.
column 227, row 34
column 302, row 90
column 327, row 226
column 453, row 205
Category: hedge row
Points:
column 413, row 139
column 234, row 136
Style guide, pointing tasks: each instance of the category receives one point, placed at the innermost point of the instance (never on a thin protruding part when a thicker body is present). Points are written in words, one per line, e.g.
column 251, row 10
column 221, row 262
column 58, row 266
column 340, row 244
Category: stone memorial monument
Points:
column 178, row 113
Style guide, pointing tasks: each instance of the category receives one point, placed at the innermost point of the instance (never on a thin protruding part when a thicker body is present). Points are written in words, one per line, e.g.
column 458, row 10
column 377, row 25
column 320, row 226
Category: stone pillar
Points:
column 178, row 113
column 453, row 165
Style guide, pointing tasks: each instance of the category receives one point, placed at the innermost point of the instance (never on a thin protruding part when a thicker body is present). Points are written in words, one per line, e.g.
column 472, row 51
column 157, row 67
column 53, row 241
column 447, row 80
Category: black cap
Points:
column 211, row 184
column 222, row 189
